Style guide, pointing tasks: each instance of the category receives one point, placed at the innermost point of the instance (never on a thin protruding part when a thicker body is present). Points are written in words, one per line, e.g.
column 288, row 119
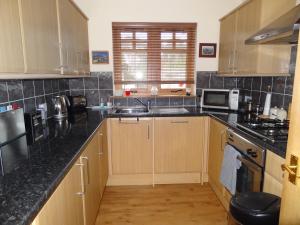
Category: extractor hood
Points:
column 283, row 30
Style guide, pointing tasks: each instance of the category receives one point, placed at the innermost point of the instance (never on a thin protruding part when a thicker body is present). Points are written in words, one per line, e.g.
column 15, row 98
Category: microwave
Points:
column 220, row 99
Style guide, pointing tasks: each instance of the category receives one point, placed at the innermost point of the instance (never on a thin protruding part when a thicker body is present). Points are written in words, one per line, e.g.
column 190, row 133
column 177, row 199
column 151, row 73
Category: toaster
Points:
column 77, row 103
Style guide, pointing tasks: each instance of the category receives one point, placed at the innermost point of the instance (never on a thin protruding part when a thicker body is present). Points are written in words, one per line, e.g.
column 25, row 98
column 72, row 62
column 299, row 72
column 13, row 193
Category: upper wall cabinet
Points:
column 238, row 59
column 73, row 38
column 42, row 37
column 11, row 51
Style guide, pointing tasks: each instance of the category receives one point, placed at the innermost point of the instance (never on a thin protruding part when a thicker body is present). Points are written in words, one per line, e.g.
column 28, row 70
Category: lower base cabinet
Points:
column 65, row 206
column 273, row 177
column 179, row 148
column 77, row 199
column 103, row 154
column 131, row 151
column 160, row 150
column 217, row 140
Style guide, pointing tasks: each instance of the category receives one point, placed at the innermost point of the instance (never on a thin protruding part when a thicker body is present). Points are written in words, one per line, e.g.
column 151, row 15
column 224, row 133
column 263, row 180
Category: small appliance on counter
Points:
column 34, row 126
column 13, row 144
column 220, row 99
column 61, row 104
column 77, row 103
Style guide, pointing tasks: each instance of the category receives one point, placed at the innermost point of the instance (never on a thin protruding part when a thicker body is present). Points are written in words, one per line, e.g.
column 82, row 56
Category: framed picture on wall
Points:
column 100, row 57
column 207, row 50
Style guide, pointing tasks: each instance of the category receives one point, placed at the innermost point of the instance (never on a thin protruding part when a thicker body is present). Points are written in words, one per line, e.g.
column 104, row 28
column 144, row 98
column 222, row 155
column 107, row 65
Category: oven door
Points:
column 214, row 98
column 249, row 176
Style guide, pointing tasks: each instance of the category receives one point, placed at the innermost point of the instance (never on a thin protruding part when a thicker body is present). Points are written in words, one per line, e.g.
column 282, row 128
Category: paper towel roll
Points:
column 267, row 104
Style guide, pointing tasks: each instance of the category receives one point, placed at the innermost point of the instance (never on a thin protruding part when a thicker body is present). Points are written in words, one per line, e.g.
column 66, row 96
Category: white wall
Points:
column 205, row 12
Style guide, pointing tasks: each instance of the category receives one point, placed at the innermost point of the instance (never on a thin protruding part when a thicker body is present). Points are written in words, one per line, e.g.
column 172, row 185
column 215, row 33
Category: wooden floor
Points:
column 187, row 204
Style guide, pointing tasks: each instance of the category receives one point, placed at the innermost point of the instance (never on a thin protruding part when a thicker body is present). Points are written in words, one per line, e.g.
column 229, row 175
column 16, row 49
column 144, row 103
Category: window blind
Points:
column 154, row 53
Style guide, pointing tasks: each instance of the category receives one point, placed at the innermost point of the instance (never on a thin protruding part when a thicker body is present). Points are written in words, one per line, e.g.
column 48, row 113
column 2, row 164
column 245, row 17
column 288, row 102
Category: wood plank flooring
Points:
column 186, row 204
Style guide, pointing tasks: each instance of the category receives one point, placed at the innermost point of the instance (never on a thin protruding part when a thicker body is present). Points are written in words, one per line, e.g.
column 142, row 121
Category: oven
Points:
column 251, row 173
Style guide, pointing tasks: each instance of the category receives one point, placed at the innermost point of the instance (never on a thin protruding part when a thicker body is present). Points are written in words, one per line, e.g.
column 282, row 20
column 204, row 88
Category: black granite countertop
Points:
column 24, row 191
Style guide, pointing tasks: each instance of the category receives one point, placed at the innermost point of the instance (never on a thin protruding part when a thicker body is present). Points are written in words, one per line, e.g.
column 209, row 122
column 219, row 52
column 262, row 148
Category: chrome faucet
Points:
column 148, row 105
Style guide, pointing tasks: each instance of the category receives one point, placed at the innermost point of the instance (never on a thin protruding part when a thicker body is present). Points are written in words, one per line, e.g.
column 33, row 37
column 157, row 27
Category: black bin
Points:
column 255, row 208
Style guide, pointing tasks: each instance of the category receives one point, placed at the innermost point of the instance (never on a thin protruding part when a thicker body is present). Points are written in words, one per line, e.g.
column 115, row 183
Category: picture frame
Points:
column 100, row 57
column 207, row 50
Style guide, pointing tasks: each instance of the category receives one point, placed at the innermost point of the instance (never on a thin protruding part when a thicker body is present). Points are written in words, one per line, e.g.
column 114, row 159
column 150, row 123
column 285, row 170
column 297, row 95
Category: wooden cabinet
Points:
column 40, row 36
column 274, row 59
column 227, row 44
column 103, row 152
column 11, row 53
column 45, row 38
column 76, row 200
column 73, row 30
column 248, row 22
column 91, row 174
column 179, row 149
column 273, row 177
column 131, row 151
column 217, row 142
column 65, row 205
column 236, row 58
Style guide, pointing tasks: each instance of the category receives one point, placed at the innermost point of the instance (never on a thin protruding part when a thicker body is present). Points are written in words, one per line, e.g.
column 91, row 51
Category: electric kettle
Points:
column 61, row 104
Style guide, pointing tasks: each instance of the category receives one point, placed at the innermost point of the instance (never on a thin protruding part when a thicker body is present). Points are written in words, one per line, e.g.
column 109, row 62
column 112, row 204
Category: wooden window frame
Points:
column 155, row 65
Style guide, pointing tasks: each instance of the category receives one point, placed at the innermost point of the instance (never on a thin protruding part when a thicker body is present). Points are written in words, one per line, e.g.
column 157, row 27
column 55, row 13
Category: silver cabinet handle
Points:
column 101, row 147
column 128, row 121
column 221, row 139
column 229, row 61
column 183, row 121
column 88, row 168
column 82, row 192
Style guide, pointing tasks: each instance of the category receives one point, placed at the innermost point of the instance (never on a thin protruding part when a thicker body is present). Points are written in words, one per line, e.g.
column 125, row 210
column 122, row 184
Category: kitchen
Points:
column 147, row 149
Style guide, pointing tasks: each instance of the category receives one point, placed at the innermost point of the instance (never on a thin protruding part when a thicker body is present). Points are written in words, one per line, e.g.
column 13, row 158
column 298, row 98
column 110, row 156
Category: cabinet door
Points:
column 178, row 145
column 84, row 65
column 274, row 59
column 273, row 174
column 103, row 149
column 65, row 205
column 11, row 53
column 68, row 36
column 227, row 44
column 131, row 150
column 40, row 36
column 216, row 147
column 91, row 175
column 248, row 22
column 73, row 39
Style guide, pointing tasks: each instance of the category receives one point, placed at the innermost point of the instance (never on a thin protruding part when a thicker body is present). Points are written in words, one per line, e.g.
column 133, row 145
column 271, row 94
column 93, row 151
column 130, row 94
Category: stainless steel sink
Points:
column 131, row 111
column 170, row 110
column 143, row 111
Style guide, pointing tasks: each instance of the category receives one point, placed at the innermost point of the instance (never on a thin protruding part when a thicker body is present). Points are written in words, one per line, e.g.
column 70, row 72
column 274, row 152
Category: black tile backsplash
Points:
column 256, row 87
column 279, row 85
column 30, row 93
column 15, row 91
column 176, row 101
column 39, row 87
column 96, row 87
column 28, row 88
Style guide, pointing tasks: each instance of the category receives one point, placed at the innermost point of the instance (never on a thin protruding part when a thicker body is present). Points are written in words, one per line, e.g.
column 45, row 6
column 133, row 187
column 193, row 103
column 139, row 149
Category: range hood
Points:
column 284, row 30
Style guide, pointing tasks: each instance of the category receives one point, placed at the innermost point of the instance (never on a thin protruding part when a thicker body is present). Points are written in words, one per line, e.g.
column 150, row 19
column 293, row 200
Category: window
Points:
column 154, row 54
